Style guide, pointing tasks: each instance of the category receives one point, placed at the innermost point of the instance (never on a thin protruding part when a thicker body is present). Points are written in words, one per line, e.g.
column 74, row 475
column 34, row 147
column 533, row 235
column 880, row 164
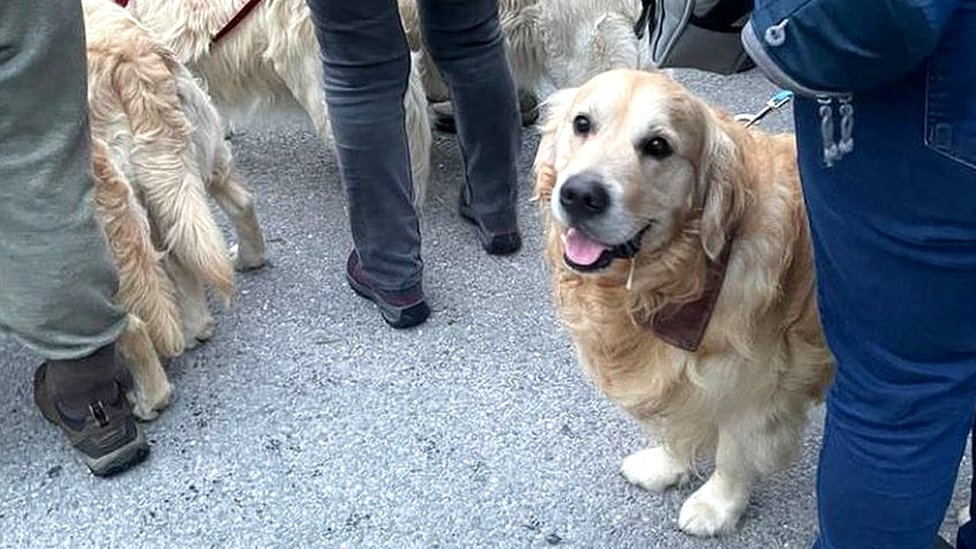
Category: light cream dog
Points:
column 682, row 268
column 552, row 44
column 158, row 150
column 270, row 58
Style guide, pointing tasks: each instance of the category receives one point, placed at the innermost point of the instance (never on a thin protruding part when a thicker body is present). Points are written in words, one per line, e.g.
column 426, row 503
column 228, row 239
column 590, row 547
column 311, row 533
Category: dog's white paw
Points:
column 708, row 511
column 199, row 330
column 963, row 516
column 205, row 331
column 145, row 406
column 653, row 469
column 245, row 261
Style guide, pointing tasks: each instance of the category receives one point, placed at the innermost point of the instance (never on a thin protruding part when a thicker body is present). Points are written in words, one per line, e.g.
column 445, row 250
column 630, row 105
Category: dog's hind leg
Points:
column 235, row 201
column 298, row 65
column 198, row 322
column 151, row 388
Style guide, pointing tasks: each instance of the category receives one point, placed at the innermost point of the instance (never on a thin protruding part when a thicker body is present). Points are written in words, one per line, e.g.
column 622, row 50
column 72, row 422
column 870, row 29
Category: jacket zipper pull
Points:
column 830, row 149
column 846, row 144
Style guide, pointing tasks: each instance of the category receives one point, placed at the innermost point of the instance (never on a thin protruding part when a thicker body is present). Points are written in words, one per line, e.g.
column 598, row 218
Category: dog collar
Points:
column 683, row 325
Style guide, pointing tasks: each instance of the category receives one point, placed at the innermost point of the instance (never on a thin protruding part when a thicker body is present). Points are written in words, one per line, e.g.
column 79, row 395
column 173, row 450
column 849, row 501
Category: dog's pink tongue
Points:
column 581, row 249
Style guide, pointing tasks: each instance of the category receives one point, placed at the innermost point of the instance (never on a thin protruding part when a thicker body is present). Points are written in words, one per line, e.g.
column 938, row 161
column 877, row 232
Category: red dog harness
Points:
column 241, row 14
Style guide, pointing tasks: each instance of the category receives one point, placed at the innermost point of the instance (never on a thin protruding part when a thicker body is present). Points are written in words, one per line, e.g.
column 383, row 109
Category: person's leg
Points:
column 894, row 232
column 465, row 40
column 367, row 64
column 57, row 278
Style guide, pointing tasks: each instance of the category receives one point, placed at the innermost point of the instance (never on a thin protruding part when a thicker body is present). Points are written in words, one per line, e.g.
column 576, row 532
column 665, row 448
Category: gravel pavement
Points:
column 307, row 422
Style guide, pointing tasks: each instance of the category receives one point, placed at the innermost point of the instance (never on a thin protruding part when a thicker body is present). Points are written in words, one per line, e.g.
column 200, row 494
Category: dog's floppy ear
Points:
column 555, row 110
column 719, row 171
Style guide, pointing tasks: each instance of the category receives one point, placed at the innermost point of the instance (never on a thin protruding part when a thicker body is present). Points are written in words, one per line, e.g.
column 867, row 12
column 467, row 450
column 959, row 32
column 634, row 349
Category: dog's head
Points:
column 633, row 161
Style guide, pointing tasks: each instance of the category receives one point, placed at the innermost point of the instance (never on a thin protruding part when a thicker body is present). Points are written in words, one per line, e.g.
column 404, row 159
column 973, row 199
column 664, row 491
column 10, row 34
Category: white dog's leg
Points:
column 235, row 201
column 654, row 469
column 198, row 322
column 716, row 507
column 151, row 389
column 303, row 78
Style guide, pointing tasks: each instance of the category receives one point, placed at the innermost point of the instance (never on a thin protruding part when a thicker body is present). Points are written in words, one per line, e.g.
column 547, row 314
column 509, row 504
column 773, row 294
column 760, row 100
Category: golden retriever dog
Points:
column 551, row 44
column 683, row 271
column 157, row 151
column 272, row 55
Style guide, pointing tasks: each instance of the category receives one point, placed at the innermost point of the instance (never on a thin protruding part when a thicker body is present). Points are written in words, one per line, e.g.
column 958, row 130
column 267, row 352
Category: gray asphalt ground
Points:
column 308, row 422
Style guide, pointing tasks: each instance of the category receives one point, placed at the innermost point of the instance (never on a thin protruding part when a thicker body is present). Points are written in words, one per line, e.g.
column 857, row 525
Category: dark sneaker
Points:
column 528, row 107
column 443, row 112
column 400, row 311
column 443, row 117
column 497, row 238
column 107, row 435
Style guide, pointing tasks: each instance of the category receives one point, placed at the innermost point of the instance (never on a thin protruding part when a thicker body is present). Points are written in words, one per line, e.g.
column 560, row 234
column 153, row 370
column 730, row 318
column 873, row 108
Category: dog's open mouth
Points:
column 586, row 255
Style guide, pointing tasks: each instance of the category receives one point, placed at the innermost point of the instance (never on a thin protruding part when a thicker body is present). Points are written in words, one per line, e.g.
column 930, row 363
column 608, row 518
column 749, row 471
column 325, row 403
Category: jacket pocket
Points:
column 950, row 93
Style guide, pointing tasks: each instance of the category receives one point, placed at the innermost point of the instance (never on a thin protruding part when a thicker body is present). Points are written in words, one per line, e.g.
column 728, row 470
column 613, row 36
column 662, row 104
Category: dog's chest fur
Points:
column 626, row 361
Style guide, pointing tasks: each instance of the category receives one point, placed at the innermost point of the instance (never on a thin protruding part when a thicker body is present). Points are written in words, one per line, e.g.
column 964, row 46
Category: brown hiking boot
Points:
column 443, row 112
column 103, row 430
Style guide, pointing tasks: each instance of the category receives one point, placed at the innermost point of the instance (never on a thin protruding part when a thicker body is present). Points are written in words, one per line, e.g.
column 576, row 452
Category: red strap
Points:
column 241, row 14
column 238, row 17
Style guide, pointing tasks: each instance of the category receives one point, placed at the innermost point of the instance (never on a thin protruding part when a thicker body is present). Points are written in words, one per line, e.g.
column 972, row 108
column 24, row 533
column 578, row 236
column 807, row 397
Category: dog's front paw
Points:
column 708, row 511
column 146, row 405
column 244, row 260
column 205, row 331
column 198, row 328
column 653, row 469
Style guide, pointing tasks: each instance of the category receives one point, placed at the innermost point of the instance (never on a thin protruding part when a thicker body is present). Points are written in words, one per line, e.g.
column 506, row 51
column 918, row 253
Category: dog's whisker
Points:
column 630, row 275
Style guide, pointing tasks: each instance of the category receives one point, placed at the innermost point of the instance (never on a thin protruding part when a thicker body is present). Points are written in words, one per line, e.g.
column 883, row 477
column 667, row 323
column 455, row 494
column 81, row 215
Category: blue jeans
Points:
column 367, row 63
column 894, row 234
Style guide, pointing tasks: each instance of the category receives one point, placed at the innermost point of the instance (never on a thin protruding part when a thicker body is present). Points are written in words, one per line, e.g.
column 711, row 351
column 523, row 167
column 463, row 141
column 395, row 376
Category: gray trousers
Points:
column 57, row 277
column 367, row 65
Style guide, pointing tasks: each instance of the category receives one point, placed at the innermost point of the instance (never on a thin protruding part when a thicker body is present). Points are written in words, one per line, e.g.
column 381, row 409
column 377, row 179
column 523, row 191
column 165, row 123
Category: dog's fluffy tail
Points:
column 419, row 134
column 144, row 288
column 171, row 179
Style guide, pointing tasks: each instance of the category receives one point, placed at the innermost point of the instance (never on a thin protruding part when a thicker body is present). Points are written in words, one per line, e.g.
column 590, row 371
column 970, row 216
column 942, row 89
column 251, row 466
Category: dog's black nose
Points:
column 584, row 196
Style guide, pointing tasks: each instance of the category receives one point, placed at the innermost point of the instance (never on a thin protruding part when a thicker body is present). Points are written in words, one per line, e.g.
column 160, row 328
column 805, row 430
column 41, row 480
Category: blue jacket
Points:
column 834, row 49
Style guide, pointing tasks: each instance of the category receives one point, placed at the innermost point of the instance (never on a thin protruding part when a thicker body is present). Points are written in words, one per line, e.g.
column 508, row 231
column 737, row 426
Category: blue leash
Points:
column 776, row 102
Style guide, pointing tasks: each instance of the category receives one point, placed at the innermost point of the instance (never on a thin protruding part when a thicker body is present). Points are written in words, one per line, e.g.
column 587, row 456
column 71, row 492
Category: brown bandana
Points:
column 684, row 325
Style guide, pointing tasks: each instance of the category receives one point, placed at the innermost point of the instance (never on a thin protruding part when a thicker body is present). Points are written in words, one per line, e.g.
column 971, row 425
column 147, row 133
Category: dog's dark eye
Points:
column 582, row 125
column 656, row 147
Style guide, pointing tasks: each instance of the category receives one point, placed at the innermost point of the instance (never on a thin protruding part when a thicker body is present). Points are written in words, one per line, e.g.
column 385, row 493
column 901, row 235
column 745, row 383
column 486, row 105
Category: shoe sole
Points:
column 121, row 458
column 367, row 293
